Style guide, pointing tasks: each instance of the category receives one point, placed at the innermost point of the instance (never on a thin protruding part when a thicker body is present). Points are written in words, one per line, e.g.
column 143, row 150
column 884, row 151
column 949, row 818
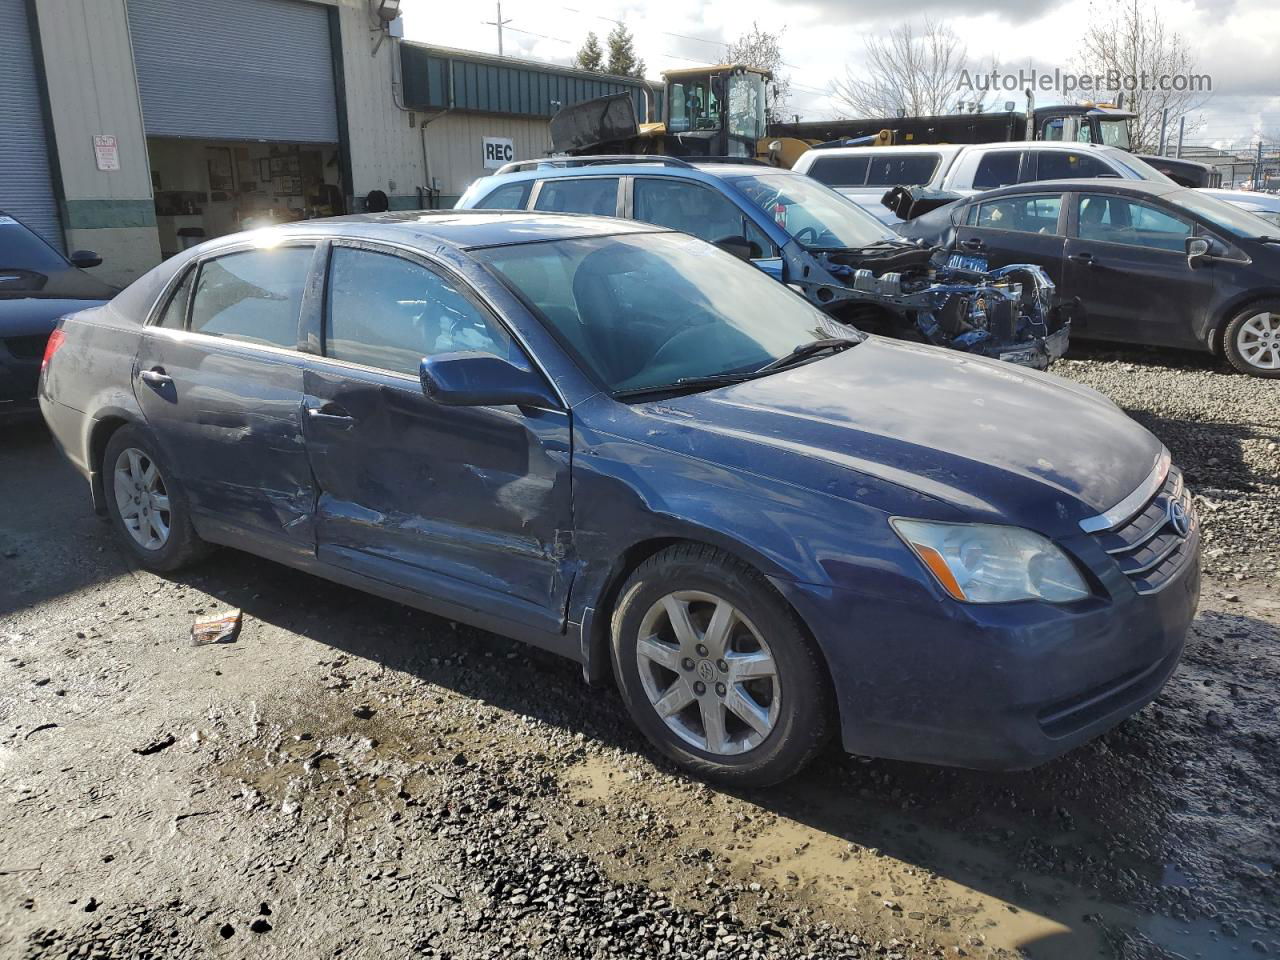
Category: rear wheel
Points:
column 1251, row 340
column 146, row 504
column 716, row 670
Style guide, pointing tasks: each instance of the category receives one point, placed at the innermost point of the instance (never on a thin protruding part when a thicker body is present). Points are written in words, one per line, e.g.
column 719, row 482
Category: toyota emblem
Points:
column 1178, row 519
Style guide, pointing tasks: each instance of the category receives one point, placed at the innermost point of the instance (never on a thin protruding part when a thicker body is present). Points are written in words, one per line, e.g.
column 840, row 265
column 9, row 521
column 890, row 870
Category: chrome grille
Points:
column 1152, row 546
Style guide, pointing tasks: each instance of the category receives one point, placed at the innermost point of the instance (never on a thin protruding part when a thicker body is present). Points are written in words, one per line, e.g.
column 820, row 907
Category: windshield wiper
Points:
column 1266, row 239
column 687, row 385
column 807, row 350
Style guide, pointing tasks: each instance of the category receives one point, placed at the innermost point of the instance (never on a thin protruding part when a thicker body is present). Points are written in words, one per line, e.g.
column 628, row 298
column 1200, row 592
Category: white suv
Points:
column 864, row 173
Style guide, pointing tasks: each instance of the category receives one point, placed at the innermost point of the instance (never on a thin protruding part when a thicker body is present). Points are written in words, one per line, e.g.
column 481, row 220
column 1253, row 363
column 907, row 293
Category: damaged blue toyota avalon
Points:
column 626, row 446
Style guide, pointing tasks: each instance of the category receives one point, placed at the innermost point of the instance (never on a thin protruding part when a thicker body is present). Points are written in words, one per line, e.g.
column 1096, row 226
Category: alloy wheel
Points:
column 1258, row 341
column 142, row 498
column 708, row 673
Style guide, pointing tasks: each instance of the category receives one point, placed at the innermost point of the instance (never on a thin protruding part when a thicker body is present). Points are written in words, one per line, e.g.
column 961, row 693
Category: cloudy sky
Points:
column 1236, row 42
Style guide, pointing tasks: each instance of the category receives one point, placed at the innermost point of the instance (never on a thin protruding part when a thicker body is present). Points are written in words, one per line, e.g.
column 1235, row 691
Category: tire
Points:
column 763, row 728
column 1251, row 340
column 131, row 455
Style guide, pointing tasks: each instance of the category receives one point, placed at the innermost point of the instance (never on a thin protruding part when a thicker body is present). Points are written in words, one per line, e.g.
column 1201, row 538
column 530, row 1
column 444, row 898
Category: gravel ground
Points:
column 351, row 778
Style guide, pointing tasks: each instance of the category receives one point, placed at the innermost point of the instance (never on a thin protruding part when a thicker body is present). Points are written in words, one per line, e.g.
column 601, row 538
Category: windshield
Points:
column 20, row 249
column 1115, row 133
column 746, row 113
column 815, row 215
column 650, row 310
column 1228, row 216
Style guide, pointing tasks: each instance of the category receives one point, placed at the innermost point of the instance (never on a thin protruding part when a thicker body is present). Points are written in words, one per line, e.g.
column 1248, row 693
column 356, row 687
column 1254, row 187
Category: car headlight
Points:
column 990, row 563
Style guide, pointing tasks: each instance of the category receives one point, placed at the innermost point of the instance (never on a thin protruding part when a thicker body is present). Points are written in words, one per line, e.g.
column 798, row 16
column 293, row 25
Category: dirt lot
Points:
column 351, row 778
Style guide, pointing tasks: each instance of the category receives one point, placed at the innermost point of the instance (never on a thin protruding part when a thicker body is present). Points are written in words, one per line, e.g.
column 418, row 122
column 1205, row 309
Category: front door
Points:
column 1126, row 264
column 470, row 505
column 219, row 379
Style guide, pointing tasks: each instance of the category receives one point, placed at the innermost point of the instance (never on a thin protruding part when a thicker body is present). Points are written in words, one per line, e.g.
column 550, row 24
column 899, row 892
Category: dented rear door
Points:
column 220, row 381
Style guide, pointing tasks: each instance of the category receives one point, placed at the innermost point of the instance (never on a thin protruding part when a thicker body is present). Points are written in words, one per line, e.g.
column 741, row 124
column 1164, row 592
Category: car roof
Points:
column 943, row 148
column 462, row 229
column 1263, row 201
column 685, row 170
column 1153, row 188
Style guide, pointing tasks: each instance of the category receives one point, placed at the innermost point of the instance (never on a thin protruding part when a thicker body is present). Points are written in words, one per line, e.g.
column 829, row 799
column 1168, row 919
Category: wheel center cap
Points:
column 706, row 670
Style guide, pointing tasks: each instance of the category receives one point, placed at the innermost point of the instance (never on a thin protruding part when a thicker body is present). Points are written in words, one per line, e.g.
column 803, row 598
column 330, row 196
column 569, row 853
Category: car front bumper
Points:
column 1001, row 686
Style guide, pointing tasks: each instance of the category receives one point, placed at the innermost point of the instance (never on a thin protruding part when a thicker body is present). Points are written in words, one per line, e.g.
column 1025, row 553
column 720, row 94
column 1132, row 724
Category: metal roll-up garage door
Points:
column 235, row 69
column 26, row 187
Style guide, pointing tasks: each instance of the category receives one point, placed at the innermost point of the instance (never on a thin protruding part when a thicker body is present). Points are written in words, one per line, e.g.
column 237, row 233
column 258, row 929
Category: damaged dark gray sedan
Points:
column 808, row 236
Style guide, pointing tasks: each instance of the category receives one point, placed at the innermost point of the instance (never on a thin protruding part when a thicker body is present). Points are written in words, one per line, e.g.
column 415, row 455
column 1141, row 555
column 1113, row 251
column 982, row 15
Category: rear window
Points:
column 596, row 195
column 997, row 169
column 840, row 171
column 511, row 196
column 902, row 169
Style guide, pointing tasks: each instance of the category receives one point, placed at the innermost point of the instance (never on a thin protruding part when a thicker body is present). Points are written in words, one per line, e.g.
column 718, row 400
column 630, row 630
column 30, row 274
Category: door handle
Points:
column 330, row 413
column 155, row 377
column 1084, row 258
column 973, row 244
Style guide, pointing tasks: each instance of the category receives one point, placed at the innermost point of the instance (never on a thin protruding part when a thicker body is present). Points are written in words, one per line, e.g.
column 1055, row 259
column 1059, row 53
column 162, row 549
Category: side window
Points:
column 1038, row 214
column 1051, row 129
column 689, row 207
column 1114, row 219
column 1069, row 165
column 907, row 170
column 511, row 196
column 840, row 171
column 252, row 296
column 388, row 312
column 598, row 195
column 174, row 315
column 997, row 169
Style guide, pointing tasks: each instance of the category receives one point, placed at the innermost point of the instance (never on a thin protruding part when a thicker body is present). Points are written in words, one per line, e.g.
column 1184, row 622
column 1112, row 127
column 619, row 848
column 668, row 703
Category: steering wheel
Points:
column 677, row 344
column 812, row 234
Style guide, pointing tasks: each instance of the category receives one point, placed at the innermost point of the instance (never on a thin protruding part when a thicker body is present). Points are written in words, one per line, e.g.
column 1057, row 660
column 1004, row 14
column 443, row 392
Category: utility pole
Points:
column 499, row 23
column 1257, row 168
column 1164, row 130
column 1182, row 128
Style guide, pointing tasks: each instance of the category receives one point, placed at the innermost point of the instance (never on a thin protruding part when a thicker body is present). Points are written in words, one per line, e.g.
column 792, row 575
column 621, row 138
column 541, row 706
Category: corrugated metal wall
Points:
column 454, row 143
column 26, row 187
column 235, row 69
column 486, row 87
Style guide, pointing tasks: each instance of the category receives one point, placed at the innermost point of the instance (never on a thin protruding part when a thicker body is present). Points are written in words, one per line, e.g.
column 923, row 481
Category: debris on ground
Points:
column 223, row 629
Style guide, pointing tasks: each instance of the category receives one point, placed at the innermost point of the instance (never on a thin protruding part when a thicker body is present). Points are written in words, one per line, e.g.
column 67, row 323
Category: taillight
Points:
column 55, row 341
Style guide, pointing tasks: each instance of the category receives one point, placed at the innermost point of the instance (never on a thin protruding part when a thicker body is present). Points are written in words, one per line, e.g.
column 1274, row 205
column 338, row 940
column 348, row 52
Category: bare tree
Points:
column 1131, row 43
column 763, row 49
column 910, row 69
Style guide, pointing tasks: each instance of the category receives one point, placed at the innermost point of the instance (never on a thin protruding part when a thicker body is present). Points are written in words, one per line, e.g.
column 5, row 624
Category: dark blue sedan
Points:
column 631, row 448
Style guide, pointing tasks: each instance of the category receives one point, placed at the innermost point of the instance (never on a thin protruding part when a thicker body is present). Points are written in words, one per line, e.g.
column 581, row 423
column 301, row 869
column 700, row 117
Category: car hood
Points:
column 34, row 315
column 994, row 441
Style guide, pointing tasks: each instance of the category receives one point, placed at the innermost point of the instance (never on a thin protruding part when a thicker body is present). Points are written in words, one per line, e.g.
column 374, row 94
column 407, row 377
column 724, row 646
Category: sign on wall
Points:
column 106, row 151
column 497, row 151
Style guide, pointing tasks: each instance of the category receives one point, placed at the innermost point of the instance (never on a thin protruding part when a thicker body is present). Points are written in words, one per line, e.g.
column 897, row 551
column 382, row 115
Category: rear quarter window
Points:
column 840, row 171
column 510, row 196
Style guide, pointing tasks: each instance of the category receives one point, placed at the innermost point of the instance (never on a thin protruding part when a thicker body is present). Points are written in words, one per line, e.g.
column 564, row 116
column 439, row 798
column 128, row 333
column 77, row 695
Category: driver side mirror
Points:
column 1200, row 250
column 472, row 379
column 740, row 247
column 84, row 258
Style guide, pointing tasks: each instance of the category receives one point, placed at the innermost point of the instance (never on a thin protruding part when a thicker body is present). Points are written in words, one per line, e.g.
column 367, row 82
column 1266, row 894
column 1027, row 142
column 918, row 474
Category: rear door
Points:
column 1023, row 228
column 467, row 504
column 1126, row 264
column 219, row 379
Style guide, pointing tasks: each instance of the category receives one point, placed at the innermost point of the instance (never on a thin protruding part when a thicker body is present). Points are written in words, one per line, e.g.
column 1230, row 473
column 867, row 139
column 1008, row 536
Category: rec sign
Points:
column 497, row 151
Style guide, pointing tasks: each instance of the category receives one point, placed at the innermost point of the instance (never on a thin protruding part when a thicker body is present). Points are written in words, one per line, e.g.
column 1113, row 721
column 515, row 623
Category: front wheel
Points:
column 1251, row 340
column 716, row 670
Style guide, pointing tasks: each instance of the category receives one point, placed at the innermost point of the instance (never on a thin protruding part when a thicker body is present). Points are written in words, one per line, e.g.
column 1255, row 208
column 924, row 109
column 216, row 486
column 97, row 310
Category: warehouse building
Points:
column 138, row 127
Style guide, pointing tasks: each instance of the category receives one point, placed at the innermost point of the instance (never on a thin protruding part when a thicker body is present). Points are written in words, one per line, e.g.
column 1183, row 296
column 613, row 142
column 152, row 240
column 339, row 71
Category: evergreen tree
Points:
column 623, row 61
column 590, row 56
